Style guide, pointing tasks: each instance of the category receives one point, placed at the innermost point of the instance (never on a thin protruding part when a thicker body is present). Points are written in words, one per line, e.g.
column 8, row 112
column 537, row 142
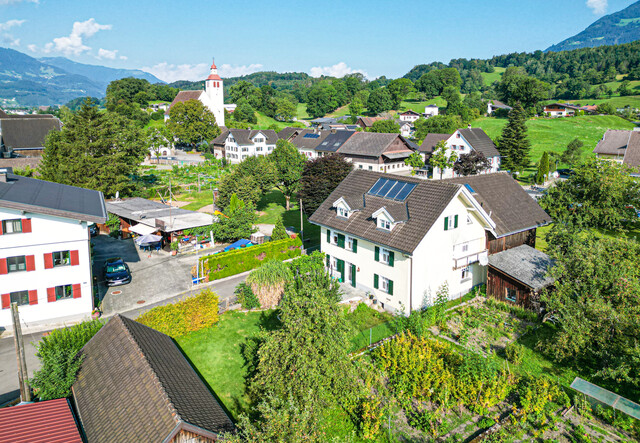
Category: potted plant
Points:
column 174, row 247
column 96, row 313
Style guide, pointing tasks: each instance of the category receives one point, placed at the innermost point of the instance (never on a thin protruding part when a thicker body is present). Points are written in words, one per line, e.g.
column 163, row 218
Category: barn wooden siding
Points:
column 495, row 245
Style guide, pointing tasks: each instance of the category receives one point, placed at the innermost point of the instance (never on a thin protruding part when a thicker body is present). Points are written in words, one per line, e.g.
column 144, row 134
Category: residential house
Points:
column 430, row 111
column 566, row 110
column 332, row 143
column 307, row 140
column 325, row 123
column 401, row 239
column 135, row 385
column 377, row 152
column 238, row 144
column 42, row 422
column 367, row 122
column 406, row 128
column 289, row 133
column 518, row 275
column 620, row 146
column 45, row 263
column 494, row 105
column 409, row 116
column 463, row 141
column 429, row 143
column 24, row 134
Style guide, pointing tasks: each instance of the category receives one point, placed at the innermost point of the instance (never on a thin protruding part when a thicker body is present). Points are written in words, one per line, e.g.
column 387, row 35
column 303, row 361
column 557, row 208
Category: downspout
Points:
column 410, row 284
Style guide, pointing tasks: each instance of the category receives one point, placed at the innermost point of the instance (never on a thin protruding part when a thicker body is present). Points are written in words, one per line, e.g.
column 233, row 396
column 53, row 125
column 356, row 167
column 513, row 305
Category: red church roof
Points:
column 214, row 77
column 213, row 65
column 48, row 421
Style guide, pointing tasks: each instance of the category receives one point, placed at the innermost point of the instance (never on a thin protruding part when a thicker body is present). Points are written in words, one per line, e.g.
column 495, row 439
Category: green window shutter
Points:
column 446, row 223
column 328, row 260
column 355, row 245
column 391, row 258
column 377, row 253
column 455, row 221
column 390, row 287
column 341, row 240
column 375, row 281
column 328, row 235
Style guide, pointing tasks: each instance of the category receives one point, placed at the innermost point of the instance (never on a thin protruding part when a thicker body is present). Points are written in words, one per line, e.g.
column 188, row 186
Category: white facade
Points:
column 235, row 152
column 46, row 268
column 458, row 144
column 409, row 117
column 214, row 91
column 406, row 129
column 404, row 281
column 373, row 165
column 430, row 111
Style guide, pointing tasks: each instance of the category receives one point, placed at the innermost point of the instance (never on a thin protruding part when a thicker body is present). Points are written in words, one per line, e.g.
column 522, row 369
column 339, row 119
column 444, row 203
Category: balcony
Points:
column 461, row 262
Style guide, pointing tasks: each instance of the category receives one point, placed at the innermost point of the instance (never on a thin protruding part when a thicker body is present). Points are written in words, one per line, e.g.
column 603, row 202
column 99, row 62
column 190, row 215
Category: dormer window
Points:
column 384, row 224
column 342, row 212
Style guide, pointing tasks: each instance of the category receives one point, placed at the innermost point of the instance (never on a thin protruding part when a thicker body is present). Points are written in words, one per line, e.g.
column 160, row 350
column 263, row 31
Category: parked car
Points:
column 565, row 173
column 116, row 272
column 93, row 230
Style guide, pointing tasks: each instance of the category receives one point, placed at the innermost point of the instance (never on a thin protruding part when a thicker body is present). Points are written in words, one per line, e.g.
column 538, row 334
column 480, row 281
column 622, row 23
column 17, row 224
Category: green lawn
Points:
column 197, row 200
column 154, row 124
column 341, row 111
column 419, row 106
column 495, row 76
column 553, row 134
column 301, row 112
column 632, row 101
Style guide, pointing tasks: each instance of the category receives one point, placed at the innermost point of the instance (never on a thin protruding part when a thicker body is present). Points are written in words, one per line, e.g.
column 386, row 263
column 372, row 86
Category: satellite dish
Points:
column 484, row 260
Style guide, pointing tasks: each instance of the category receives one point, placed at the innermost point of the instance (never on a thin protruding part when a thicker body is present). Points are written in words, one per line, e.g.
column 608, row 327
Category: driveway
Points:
column 9, row 364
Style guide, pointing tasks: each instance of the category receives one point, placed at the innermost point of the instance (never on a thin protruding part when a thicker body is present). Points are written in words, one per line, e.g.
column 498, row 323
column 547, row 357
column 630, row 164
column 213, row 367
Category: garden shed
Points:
column 518, row 275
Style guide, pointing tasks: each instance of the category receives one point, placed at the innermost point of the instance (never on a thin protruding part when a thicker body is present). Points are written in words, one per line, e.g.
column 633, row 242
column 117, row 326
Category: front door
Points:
column 341, row 269
column 352, row 275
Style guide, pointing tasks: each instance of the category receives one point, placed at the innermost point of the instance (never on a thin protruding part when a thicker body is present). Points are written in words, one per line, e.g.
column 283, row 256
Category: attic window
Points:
column 342, row 212
column 384, row 224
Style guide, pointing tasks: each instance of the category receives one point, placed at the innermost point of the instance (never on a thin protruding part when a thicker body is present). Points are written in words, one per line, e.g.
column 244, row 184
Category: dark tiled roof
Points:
column 632, row 154
column 480, row 141
column 49, row 421
column 288, row 132
column 370, row 144
column 334, row 141
column 409, row 111
column 43, row 197
column 367, row 122
column 431, row 140
column 27, row 132
column 245, row 136
column 219, row 140
column 135, row 385
column 613, row 142
column 309, row 138
column 508, row 205
column 526, row 264
column 423, row 207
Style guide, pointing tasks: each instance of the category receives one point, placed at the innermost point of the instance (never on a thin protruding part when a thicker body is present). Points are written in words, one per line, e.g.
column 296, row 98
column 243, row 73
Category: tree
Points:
column 320, row 177
column 572, row 155
column 514, row 144
column 439, row 124
column 600, row 194
column 289, row 164
column 606, row 108
column 237, row 222
column 59, row 359
column 279, row 232
column 441, row 159
column 379, row 101
column 385, row 127
column 542, row 175
column 245, row 91
column 356, row 107
column 624, row 89
column 192, row 123
column 285, row 110
column 517, row 87
column 399, row 89
column 244, row 186
column 261, row 170
column 245, row 113
column 94, row 150
column 321, row 99
column 126, row 91
column 471, row 164
column 415, row 160
column 596, row 303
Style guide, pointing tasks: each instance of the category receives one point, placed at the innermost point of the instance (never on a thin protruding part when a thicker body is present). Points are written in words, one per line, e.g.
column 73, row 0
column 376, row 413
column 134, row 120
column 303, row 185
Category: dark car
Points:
column 116, row 272
column 93, row 230
column 565, row 173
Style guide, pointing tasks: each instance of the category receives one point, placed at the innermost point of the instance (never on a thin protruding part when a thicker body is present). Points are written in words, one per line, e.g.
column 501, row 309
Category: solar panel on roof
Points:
column 376, row 187
column 311, row 135
column 385, row 188
column 395, row 190
column 392, row 189
column 469, row 188
column 406, row 190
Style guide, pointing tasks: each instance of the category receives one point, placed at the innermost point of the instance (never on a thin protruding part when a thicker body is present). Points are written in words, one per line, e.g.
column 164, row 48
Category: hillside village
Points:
column 448, row 256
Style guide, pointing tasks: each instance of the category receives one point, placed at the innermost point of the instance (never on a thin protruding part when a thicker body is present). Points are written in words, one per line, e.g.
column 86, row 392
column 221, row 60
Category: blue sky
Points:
column 176, row 40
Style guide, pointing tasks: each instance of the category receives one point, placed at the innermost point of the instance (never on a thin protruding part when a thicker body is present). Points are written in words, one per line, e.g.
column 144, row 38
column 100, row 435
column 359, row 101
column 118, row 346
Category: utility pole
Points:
column 25, row 392
column 301, row 224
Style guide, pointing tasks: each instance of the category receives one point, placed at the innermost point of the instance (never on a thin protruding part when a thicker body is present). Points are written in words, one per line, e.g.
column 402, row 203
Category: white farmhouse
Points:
column 430, row 111
column 212, row 97
column 401, row 239
column 238, row 144
column 45, row 264
column 409, row 116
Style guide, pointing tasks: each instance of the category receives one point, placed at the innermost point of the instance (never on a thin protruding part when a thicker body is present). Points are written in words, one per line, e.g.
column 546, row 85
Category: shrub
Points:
column 514, row 353
column 279, row 232
column 187, row 315
column 60, row 361
column 516, row 311
column 246, row 297
column 486, row 422
column 268, row 282
column 240, row 260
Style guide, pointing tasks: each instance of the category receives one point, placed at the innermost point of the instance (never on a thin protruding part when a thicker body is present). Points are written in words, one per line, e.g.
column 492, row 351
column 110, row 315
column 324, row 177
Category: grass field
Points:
column 553, row 134
column 301, row 112
column 632, row 101
column 154, row 124
column 495, row 76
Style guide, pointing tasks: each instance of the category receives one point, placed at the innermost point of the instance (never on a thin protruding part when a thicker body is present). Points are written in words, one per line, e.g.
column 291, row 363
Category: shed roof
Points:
column 367, row 122
column 288, row 132
column 26, row 132
column 49, row 421
column 613, row 142
column 135, row 385
column 480, row 141
column 525, row 264
column 245, row 136
column 43, row 197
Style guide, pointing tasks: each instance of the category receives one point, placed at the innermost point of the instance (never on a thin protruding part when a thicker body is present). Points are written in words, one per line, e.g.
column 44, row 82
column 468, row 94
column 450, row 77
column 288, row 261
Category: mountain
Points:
column 617, row 28
column 98, row 74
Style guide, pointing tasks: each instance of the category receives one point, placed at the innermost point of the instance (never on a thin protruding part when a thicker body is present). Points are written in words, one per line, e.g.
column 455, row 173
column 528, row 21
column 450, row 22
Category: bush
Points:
column 516, row 311
column 279, row 232
column 60, row 361
column 268, row 282
column 234, row 262
column 514, row 353
column 184, row 316
column 246, row 297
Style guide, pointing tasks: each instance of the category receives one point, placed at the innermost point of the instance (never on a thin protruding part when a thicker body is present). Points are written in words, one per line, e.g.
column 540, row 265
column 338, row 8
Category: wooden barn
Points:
column 518, row 275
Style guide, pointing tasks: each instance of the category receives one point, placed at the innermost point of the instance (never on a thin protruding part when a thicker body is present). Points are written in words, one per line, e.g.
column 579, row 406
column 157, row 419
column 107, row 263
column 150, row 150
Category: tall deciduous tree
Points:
column 572, row 155
column 237, row 222
column 441, row 158
column 261, row 170
column 439, row 124
column 471, row 164
column 192, row 123
column 244, row 186
column 94, row 150
column 320, row 177
column 289, row 164
column 385, row 127
column 399, row 89
column 415, row 160
column 380, row 100
column 514, row 144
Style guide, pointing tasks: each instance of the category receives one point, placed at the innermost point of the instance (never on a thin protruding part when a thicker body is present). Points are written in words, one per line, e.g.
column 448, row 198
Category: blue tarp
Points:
column 239, row 244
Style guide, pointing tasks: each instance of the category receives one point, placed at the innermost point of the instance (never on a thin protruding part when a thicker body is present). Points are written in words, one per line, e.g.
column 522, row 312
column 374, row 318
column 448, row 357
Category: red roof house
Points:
column 49, row 421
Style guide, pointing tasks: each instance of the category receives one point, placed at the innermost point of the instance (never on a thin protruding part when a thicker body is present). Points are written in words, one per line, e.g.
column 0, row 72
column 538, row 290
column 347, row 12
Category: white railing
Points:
column 461, row 262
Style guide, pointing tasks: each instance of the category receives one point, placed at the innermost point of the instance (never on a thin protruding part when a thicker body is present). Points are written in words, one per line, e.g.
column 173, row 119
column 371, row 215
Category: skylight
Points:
column 392, row 189
column 469, row 188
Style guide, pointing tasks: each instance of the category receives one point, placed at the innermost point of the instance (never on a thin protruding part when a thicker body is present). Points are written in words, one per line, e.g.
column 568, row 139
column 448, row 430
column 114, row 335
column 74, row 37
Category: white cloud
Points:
column 5, row 36
column 73, row 44
column 10, row 24
column 9, row 2
column 169, row 72
column 32, row 48
column 226, row 70
column 338, row 70
column 598, row 6
column 123, row 57
column 105, row 53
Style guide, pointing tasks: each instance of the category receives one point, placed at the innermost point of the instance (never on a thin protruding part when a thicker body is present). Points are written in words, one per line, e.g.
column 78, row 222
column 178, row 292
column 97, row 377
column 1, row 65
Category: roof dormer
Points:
column 342, row 208
column 384, row 220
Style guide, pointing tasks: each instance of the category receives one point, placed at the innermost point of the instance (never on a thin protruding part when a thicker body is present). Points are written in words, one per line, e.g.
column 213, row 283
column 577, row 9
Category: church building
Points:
column 212, row 97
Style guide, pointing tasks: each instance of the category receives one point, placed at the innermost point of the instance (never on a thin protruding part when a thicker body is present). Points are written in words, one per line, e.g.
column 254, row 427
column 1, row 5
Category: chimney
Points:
column 3, row 174
column 469, row 126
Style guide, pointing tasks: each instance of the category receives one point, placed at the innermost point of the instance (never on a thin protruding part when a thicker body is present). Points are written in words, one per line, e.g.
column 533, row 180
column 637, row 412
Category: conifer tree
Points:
column 279, row 232
column 514, row 144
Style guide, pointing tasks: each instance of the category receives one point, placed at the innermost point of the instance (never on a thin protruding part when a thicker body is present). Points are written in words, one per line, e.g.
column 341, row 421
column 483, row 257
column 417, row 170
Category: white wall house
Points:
column 430, row 111
column 239, row 144
column 406, row 128
column 463, row 141
column 409, row 116
column 45, row 263
column 381, row 237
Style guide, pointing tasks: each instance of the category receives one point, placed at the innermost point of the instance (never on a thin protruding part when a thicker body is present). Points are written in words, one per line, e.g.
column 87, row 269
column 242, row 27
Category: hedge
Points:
column 234, row 262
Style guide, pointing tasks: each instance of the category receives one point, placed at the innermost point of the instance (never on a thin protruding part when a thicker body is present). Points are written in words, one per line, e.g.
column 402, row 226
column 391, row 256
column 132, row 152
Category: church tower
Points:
column 215, row 92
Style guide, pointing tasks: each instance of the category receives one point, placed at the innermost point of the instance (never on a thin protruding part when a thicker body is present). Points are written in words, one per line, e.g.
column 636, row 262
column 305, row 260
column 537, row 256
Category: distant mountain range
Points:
column 613, row 29
column 27, row 81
